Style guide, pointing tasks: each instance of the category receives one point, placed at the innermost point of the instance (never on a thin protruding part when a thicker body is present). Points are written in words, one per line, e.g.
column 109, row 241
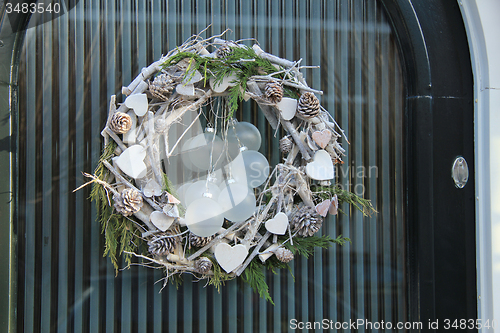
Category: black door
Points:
column 440, row 118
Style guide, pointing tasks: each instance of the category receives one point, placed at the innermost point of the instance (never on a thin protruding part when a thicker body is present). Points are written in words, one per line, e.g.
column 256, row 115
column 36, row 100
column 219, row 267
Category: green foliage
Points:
column 305, row 246
column 117, row 229
column 256, row 278
column 219, row 277
column 241, row 62
column 363, row 205
column 273, row 265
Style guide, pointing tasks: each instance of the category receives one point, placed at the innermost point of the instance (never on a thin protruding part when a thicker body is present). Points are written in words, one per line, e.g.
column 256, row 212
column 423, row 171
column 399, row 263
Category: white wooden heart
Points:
column 137, row 102
column 160, row 220
column 131, row 161
column 230, row 257
column 321, row 168
column 185, row 89
column 152, row 188
column 226, row 82
column 334, row 206
column 287, row 107
column 322, row 138
column 322, row 208
column 171, row 210
column 192, row 77
column 278, row 224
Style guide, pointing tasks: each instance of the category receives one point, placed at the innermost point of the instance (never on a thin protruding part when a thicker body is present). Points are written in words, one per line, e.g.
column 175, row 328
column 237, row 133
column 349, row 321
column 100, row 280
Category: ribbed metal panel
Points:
column 70, row 67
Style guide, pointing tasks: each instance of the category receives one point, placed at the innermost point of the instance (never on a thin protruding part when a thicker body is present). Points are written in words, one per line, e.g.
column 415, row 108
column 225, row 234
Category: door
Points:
column 402, row 92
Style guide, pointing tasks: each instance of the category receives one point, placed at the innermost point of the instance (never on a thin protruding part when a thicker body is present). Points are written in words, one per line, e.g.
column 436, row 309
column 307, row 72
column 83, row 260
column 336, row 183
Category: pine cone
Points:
column 284, row 254
column 274, row 91
column 306, row 221
column 203, row 265
column 162, row 86
column 120, row 123
column 198, row 241
column 308, row 105
column 162, row 245
column 128, row 202
column 223, row 51
column 286, row 144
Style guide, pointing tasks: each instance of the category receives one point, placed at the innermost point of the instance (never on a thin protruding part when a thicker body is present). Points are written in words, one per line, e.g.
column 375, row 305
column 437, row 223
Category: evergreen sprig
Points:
column 305, row 246
column 256, row 278
column 117, row 229
column 217, row 280
column 326, row 192
column 242, row 62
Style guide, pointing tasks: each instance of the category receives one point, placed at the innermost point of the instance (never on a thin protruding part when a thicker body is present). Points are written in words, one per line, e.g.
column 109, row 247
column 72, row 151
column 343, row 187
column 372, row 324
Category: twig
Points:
column 253, row 254
column 215, row 241
column 287, row 83
column 127, row 183
column 266, row 110
column 182, row 135
column 272, row 58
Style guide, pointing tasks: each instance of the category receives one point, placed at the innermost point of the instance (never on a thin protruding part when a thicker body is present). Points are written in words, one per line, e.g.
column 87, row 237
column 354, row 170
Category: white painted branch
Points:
column 286, row 83
column 272, row 58
column 127, row 183
column 178, row 113
column 266, row 109
column 253, row 254
column 215, row 240
column 144, row 75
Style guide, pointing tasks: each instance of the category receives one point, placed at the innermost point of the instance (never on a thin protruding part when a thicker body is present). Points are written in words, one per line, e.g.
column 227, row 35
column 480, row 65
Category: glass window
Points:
column 70, row 67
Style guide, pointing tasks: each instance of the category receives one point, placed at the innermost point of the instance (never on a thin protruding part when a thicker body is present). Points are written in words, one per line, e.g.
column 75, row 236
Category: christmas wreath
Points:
column 236, row 216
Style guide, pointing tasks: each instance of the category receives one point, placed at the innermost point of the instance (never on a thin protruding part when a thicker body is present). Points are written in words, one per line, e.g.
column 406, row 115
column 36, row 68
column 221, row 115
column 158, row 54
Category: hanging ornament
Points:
column 207, row 151
column 250, row 167
column 204, row 217
column 237, row 201
column 246, row 134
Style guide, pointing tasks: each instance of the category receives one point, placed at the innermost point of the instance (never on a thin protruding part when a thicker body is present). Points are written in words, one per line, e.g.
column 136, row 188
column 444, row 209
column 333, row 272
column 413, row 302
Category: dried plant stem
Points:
column 170, row 267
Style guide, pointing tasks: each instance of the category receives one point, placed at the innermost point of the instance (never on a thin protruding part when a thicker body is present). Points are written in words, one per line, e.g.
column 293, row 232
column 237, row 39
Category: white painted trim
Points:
column 482, row 25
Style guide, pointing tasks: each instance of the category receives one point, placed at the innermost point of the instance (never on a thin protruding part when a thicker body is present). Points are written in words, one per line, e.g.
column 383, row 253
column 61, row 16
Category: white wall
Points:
column 482, row 21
